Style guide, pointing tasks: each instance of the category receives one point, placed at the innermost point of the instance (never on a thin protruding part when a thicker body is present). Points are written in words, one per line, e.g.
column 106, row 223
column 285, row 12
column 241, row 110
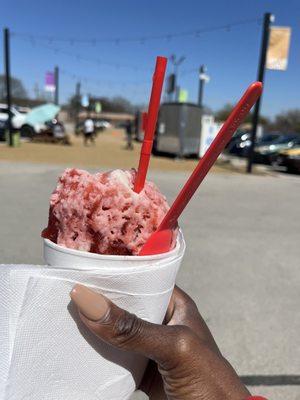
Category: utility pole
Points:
column 268, row 19
column 202, row 80
column 56, row 80
column 77, row 96
column 7, row 82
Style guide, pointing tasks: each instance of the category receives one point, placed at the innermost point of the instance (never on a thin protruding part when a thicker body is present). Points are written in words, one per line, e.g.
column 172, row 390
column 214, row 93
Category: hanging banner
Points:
column 183, row 96
column 98, row 107
column 50, row 82
column 85, row 101
column 278, row 49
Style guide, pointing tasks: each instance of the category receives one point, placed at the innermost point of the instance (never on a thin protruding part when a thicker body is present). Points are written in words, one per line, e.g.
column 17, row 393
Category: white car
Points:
column 18, row 121
column 102, row 124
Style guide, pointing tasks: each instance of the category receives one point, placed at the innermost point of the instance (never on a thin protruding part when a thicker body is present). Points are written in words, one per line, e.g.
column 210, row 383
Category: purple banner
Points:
column 50, row 82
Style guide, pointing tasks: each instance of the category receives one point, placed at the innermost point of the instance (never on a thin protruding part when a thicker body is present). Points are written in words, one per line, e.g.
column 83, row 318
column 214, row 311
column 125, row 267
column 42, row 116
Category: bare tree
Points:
column 17, row 88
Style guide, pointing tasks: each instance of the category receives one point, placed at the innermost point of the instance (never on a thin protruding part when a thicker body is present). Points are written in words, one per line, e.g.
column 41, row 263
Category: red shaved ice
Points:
column 101, row 213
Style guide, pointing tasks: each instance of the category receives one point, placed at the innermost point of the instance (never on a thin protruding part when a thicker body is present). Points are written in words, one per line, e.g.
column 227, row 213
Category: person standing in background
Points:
column 88, row 131
column 129, row 128
column 136, row 124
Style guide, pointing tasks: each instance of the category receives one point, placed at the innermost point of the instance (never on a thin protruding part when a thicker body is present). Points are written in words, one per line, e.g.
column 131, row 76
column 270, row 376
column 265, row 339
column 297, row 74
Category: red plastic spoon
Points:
column 158, row 80
column 160, row 240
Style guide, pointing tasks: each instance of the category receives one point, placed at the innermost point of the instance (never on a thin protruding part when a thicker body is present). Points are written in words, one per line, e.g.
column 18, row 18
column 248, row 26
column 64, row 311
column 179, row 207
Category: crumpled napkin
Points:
column 47, row 353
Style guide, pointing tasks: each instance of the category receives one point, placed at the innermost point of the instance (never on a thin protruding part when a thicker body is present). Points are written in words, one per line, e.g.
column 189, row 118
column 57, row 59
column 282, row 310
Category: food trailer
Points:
column 183, row 130
column 178, row 129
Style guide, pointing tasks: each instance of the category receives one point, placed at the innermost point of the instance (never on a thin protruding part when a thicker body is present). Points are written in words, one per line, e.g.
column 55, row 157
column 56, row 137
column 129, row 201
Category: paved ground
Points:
column 241, row 266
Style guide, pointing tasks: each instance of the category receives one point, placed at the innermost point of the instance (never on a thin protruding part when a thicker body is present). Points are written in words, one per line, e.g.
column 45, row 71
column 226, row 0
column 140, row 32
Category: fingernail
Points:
column 91, row 304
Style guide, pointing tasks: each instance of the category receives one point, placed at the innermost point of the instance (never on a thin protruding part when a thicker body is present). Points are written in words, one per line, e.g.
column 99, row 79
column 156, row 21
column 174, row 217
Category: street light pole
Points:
column 56, row 79
column 7, row 82
column 202, row 71
column 176, row 88
column 268, row 19
column 176, row 62
column 77, row 95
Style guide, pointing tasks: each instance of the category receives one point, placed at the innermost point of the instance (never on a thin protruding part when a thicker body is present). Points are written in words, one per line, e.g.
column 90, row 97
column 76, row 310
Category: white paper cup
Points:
column 140, row 284
column 60, row 256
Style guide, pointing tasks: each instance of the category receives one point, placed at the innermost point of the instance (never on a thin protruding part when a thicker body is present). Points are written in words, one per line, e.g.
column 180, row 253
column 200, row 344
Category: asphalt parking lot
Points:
column 241, row 266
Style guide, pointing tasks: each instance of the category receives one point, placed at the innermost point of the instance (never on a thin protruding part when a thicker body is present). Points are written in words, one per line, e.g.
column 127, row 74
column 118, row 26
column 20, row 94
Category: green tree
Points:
column 120, row 104
column 223, row 113
column 17, row 88
column 287, row 121
column 116, row 104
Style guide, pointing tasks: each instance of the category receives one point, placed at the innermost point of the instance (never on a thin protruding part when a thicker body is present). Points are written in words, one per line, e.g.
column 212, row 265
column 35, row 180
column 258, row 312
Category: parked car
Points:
column 2, row 130
column 101, row 125
column 267, row 153
column 241, row 145
column 290, row 159
column 18, row 120
column 236, row 137
column 23, row 110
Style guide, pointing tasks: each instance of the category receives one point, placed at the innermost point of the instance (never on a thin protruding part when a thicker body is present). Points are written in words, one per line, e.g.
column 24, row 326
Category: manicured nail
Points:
column 91, row 304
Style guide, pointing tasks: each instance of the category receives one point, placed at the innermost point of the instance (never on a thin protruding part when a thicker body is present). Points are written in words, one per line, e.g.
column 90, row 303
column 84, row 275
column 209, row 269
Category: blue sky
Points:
column 231, row 55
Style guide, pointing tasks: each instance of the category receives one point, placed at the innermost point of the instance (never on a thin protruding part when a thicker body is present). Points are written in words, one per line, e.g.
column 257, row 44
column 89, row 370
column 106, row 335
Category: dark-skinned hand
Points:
column 186, row 362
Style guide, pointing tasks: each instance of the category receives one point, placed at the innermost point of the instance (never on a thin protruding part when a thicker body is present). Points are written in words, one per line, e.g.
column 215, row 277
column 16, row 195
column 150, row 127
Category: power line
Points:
column 141, row 39
column 80, row 57
column 100, row 82
column 189, row 71
column 135, row 88
column 41, row 40
column 34, row 40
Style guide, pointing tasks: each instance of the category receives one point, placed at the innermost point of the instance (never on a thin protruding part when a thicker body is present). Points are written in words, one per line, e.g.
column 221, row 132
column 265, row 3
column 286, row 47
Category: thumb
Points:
column 124, row 330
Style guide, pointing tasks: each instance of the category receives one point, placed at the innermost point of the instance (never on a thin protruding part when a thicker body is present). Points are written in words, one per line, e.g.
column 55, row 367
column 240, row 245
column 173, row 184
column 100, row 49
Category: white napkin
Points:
column 4, row 335
column 49, row 354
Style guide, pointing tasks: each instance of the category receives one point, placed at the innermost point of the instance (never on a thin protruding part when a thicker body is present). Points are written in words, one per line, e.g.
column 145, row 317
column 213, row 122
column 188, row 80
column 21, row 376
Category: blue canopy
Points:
column 42, row 114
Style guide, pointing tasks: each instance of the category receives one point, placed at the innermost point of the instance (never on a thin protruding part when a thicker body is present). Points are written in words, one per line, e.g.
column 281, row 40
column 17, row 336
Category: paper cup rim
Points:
column 94, row 256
